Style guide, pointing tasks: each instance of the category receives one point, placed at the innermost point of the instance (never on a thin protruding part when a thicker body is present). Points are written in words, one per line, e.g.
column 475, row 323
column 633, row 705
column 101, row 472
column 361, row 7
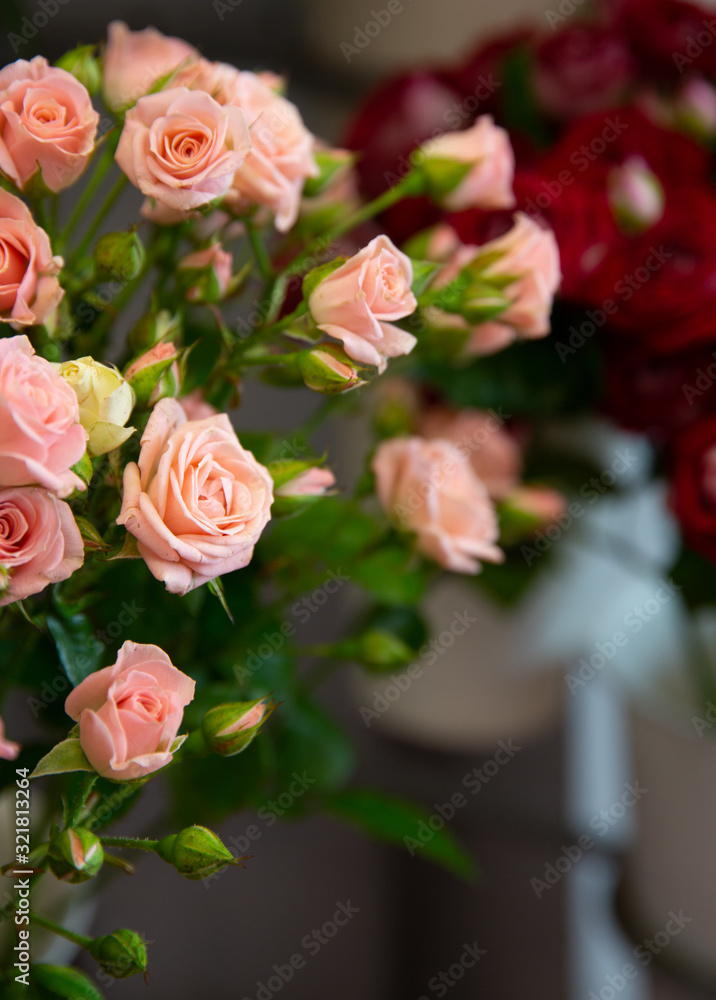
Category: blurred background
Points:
column 592, row 815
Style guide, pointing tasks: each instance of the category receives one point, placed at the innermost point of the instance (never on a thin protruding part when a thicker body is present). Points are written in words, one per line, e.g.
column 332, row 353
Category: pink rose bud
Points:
column 47, row 122
column 360, row 302
column 40, row 542
column 209, row 272
column 541, row 503
column 635, row 194
column 135, row 61
column 8, row 749
column 493, row 453
column 120, row 255
column 430, row 489
column 469, row 169
column 313, row 482
column 129, row 714
column 228, row 729
column 182, row 148
column 696, row 108
column 41, row 437
column 197, row 502
column 75, row 856
column 329, row 370
column 29, row 289
column 155, row 374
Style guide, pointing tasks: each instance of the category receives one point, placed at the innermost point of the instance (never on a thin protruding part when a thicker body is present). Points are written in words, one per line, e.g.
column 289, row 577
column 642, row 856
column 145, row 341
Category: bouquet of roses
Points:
column 155, row 564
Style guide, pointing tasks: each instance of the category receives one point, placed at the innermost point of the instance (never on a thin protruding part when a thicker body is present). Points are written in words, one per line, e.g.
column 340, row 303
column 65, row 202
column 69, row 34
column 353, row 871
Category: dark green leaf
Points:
column 66, row 756
column 77, row 648
column 71, row 984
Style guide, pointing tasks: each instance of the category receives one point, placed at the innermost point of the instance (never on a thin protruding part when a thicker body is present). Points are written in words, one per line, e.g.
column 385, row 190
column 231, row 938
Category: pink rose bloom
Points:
column 430, row 488
column 281, row 155
column 8, row 749
column 39, row 541
column 359, row 302
column 135, row 61
column 311, row 483
column 197, row 502
column 196, row 407
column 182, row 148
column 40, row 434
column 130, row 713
column 215, row 258
column 493, row 453
column 29, row 289
column 486, row 148
column 46, row 121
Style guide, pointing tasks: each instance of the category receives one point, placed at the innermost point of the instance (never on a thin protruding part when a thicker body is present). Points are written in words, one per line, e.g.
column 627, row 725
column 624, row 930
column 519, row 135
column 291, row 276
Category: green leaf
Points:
column 66, row 756
column 391, row 575
column 77, row 648
column 71, row 984
column 423, row 272
column 146, row 379
column 399, row 821
column 84, row 469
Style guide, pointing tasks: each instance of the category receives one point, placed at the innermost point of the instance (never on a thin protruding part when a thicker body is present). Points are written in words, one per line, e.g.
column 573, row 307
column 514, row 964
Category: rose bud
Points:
column 83, row 65
column 696, row 108
column 195, row 852
column 378, row 650
column 636, row 195
column 228, row 729
column 106, row 400
column 120, row 255
column 207, row 274
column 314, row 482
column 469, row 169
column 121, row 954
column 75, row 855
column 329, row 370
column 155, row 374
column 528, row 508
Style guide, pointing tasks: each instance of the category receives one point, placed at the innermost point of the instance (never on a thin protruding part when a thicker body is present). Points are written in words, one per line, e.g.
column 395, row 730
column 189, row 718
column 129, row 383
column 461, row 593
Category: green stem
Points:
column 259, row 250
column 88, row 783
column 49, row 925
column 105, row 208
column 86, row 197
column 115, row 307
column 138, row 843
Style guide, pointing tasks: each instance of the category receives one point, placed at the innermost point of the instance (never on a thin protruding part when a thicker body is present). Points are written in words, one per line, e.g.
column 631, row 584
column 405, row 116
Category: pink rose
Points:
column 40, row 433
column 29, row 289
column 493, row 453
column 196, row 407
column 130, row 713
column 135, row 61
column 39, row 541
column 359, row 302
column 430, row 488
column 46, row 121
column 311, row 483
column 214, row 260
column 8, row 749
column 486, row 148
column 281, row 155
column 182, row 148
column 197, row 502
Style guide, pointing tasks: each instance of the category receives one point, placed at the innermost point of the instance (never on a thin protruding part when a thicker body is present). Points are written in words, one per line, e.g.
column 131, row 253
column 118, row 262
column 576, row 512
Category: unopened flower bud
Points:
column 83, row 65
column 696, row 108
column 155, row 374
column 329, row 370
column 206, row 274
column 378, row 650
column 121, row 954
column 75, row 855
column 120, row 255
column 106, row 402
column 313, row 482
column 195, row 852
column 636, row 194
column 228, row 729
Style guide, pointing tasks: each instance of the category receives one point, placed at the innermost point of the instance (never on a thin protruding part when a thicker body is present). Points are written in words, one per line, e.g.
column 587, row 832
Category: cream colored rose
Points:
column 106, row 401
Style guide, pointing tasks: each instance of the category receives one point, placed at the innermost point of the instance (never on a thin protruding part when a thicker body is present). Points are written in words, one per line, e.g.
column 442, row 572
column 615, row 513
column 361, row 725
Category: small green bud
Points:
column 121, row 954
column 120, row 255
column 195, row 852
column 381, row 650
column 228, row 729
column 75, row 855
column 83, row 65
column 329, row 370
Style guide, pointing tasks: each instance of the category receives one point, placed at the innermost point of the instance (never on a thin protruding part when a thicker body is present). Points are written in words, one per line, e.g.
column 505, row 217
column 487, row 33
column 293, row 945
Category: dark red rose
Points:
column 669, row 37
column 663, row 281
column 693, row 494
column 658, row 394
column 580, row 70
column 592, row 146
column 481, row 78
